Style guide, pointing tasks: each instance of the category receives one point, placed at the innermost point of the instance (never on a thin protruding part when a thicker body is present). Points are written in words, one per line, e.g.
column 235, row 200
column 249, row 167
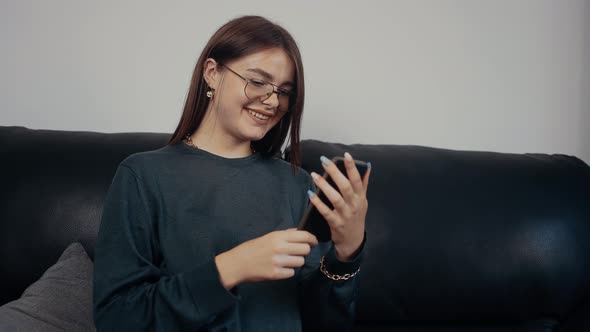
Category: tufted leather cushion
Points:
column 457, row 240
column 469, row 237
column 53, row 188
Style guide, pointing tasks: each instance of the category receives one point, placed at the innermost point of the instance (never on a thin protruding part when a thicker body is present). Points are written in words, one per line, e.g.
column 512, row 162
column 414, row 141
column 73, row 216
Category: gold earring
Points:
column 210, row 92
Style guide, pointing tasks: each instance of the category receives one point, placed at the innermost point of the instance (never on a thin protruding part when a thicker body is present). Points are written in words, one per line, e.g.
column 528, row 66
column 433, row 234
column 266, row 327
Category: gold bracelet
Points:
column 336, row 276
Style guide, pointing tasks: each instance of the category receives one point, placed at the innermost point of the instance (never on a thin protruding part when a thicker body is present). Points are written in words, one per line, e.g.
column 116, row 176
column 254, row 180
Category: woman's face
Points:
column 237, row 115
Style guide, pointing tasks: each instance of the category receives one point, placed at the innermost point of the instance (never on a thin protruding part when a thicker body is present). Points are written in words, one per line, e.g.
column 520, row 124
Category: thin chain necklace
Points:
column 188, row 141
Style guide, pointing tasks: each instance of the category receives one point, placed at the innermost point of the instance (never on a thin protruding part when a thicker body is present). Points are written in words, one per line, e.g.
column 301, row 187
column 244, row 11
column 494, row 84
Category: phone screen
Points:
column 312, row 221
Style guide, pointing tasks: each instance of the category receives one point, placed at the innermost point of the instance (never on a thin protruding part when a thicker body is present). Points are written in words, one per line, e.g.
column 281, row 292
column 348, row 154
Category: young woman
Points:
column 199, row 235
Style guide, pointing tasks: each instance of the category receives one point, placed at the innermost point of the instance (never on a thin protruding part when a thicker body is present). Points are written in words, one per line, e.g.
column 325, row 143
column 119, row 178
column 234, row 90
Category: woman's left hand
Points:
column 347, row 219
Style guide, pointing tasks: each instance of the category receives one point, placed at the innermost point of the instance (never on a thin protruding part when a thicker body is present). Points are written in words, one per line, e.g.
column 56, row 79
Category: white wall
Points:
column 501, row 75
column 585, row 105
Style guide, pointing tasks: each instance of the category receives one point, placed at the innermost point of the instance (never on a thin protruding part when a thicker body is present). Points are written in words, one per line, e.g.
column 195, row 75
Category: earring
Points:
column 210, row 93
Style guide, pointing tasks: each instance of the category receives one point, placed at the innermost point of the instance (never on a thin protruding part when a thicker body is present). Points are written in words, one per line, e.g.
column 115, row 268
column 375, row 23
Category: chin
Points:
column 257, row 137
column 254, row 136
column 256, row 133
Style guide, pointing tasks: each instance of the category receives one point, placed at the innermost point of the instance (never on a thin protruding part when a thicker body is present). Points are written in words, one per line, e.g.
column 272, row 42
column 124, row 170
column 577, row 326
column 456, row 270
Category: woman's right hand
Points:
column 270, row 257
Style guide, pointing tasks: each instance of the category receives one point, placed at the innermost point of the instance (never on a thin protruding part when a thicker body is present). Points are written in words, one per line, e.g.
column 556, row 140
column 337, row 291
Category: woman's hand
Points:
column 269, row 257
column 347, row 219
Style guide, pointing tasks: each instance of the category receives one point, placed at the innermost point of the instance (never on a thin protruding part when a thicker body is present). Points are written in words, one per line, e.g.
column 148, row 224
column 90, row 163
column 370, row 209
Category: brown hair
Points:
column 237, row 38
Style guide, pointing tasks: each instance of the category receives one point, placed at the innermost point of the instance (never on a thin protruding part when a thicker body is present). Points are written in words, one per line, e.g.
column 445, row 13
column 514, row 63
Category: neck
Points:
column 211, row 138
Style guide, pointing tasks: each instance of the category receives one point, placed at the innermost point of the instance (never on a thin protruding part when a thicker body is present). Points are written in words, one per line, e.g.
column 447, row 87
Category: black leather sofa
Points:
column 457, row 240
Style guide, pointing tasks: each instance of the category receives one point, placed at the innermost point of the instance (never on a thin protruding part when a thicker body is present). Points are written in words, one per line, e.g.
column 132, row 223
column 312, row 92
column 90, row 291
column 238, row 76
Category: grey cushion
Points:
column 61, row 300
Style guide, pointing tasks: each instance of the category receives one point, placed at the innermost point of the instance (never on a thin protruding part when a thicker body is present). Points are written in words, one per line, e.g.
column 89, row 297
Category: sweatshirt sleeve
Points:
column 131, row 292
column 326, row 304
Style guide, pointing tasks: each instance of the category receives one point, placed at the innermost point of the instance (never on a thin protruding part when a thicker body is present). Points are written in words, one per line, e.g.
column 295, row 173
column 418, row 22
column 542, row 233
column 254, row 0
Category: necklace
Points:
column 188, row 141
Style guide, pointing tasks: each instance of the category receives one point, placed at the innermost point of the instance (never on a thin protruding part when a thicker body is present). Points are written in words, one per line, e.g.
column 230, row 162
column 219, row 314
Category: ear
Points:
column 211, row 73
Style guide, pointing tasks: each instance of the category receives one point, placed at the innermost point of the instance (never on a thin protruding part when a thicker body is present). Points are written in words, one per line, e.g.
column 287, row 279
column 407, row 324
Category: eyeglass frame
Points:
column 276, row 89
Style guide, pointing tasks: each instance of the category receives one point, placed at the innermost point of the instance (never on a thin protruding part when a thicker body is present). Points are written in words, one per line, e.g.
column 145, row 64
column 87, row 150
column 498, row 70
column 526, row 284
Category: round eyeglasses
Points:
column 259, row 90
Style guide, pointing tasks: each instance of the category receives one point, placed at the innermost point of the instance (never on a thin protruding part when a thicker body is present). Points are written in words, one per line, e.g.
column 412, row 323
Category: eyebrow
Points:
column 267, row 76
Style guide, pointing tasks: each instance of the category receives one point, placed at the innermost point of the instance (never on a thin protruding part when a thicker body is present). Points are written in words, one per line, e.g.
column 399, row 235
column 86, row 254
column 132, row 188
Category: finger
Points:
column 288, row 261
column 340, row 179
column 332, row 194
column 299, row 249
column 353, row 174
column 297, row 236
column 323, row 209
column 366, row 178
column 282, row 273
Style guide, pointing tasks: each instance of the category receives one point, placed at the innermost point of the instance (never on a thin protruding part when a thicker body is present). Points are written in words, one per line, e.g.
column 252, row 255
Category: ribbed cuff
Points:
column 208, row 293
column 334, row 266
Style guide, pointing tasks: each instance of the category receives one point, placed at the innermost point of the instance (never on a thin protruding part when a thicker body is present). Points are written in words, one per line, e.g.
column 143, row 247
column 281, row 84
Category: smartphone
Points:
column 312, row 221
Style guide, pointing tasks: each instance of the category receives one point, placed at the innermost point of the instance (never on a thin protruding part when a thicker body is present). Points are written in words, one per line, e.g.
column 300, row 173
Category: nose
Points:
column 273, row 100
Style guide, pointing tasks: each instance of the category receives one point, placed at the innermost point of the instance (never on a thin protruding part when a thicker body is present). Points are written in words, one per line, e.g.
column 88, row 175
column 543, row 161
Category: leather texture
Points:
column 456, row 240
column 53, row 189
column 484, row 239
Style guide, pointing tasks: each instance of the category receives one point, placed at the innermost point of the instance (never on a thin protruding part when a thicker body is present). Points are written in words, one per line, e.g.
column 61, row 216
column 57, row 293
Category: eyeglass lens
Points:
column 261, row 91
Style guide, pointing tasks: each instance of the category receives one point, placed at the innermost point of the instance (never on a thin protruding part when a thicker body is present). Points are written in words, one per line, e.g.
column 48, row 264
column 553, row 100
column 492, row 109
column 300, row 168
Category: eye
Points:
column 258, row 83
column 284, row 92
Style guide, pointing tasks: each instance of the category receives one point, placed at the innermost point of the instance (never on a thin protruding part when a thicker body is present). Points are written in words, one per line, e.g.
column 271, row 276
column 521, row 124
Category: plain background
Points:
column 496, row 75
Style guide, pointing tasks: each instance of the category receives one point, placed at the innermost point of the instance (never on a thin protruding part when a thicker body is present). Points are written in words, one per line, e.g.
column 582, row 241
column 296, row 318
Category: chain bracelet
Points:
column 336, row 277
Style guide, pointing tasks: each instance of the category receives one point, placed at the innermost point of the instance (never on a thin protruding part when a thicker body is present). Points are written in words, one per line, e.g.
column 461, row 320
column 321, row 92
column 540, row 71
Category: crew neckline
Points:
column 183, row 147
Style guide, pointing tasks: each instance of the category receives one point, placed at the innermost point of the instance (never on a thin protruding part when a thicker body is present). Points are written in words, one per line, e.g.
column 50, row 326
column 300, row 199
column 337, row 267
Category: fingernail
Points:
column 325, row 160
column 369, row 164
column 310, row 193
column 315, row 175
column 347, row 156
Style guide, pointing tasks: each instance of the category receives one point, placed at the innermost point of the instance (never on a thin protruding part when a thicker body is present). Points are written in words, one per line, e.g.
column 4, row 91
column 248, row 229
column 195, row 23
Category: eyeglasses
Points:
column 258, row 90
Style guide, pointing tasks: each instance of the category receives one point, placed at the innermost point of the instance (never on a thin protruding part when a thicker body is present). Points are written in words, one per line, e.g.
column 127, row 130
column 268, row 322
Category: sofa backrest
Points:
column 452, row 235
column 460, row 236
column 53, row 189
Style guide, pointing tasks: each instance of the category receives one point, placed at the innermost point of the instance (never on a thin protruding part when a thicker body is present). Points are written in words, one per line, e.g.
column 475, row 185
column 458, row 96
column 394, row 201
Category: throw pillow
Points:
column 61, row 300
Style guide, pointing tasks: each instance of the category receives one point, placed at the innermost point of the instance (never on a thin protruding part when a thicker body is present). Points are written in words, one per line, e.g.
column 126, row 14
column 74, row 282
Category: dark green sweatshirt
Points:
column 169, row 212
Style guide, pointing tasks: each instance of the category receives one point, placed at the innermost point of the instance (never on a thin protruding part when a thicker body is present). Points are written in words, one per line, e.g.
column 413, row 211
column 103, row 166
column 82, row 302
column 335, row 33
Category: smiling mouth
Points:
column 258, row 115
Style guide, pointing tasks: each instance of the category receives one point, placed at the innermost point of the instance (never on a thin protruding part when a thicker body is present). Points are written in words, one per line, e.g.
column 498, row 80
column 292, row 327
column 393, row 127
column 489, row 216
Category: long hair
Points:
column 238, row 38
